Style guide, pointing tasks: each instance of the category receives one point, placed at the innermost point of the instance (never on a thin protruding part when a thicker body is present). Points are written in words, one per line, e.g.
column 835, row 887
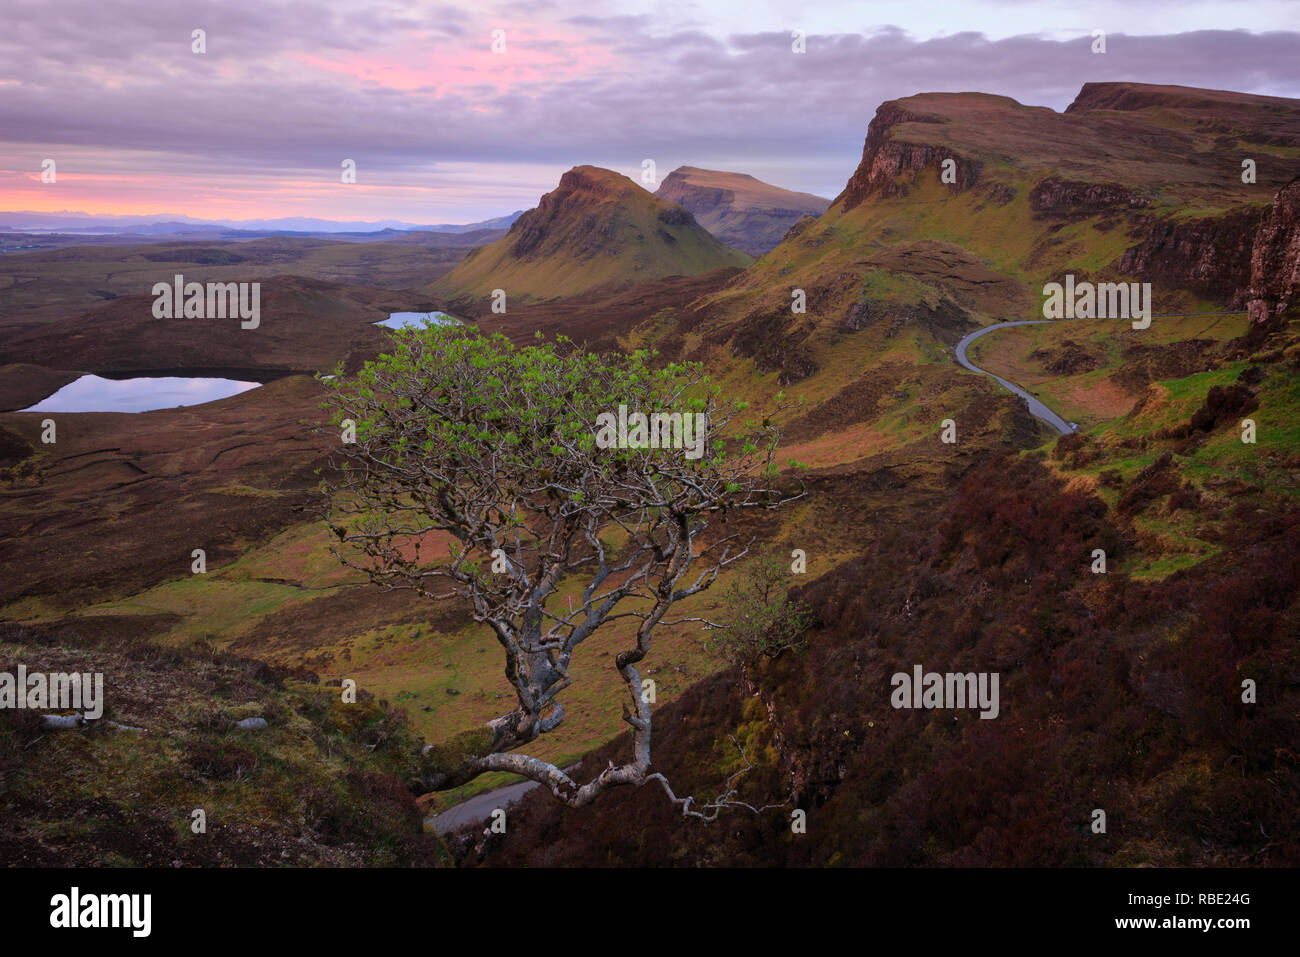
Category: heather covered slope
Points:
column 596, row 231
column 305, row 325
column 322, row 784
column 1115, row 694
column 742, row 211
column 48, row 285
column 1120, row 691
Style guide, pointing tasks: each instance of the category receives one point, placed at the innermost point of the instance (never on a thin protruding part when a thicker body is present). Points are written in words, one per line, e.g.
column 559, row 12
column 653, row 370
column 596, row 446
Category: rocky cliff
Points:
column 890, row 163
column 1210, row 256
column 1059, row 195
column 1275, row 258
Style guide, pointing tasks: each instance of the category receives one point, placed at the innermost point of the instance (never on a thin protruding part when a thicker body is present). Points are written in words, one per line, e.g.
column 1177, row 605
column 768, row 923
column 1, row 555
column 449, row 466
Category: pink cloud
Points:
column 531, row 56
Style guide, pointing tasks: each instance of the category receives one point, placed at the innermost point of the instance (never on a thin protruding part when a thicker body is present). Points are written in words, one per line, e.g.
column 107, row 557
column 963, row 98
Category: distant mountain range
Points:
column 171, row 224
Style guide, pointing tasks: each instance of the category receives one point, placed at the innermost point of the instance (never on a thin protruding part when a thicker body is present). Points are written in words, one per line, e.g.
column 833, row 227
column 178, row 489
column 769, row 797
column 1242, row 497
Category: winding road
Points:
column 1036, row 408
column 480, row 807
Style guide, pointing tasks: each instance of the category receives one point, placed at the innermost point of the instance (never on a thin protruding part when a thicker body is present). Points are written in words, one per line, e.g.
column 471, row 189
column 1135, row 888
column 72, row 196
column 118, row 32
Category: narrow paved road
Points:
column 480, row 807
column 1036, row 408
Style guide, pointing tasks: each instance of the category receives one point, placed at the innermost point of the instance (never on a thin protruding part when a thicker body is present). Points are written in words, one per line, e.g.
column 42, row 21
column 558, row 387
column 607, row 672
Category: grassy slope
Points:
column 491, row 267
column 636, row 246
column 984, row 250
column 1209, row 474
column 280, row 602
column 1095, row 390
column 324, row 783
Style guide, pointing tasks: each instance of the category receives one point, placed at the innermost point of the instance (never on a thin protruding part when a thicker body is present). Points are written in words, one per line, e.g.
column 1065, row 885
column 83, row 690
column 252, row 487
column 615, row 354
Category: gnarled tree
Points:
column 502, row 456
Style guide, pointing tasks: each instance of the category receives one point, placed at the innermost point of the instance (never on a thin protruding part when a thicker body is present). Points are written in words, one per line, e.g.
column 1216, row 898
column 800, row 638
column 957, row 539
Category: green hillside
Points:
column 596, row 231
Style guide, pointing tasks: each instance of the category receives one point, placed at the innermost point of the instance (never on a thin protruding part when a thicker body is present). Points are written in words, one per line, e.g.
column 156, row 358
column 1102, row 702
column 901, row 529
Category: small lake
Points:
column 91, row 393
column 400, row 320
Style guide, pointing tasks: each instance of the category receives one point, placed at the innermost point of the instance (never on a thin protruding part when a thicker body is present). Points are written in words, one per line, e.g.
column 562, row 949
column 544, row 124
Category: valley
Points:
column 1036, row 408
column 924, row 301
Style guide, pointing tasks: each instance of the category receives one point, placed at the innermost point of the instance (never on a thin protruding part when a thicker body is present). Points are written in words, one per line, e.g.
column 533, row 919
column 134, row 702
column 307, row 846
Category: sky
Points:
column 442, row 128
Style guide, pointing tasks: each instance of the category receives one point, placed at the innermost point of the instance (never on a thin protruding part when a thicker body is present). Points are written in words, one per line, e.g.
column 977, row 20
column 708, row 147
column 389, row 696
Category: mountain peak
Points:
column 737, row 208
column 597, row 230
column 594, row 179
column 1104, row 137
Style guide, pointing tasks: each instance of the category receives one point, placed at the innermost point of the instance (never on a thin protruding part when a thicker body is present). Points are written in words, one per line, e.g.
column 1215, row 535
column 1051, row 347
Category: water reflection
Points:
column 398, row 320
column 92, row 393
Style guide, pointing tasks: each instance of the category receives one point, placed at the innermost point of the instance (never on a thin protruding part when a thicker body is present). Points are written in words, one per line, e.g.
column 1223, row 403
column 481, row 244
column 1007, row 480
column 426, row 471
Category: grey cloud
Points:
column 684, row 93
column 627, row 23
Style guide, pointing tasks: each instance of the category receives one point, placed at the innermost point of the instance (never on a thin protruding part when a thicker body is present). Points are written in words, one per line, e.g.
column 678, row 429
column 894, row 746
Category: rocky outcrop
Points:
column 889, row 165
column 1275, row 258
column 1000, row 194
column 1059, row 195
column 947, row 321
column 583, row 189
column 1210, row 256
column 776, row 343
column 675, row 216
